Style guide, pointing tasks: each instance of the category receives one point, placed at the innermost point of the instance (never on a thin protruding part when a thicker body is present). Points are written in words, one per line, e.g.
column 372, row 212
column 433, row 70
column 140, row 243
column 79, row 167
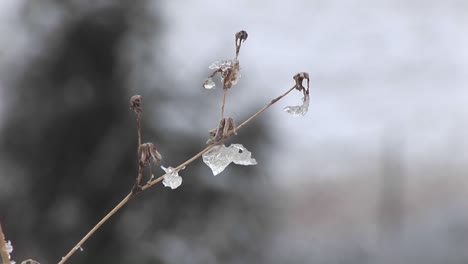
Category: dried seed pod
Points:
column 241, row 36
column 299, row 78
column 225, row 129
column 135, row 103
column 146, row 152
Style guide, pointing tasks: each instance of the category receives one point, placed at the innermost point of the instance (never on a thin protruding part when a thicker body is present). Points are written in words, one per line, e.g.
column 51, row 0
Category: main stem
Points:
column 153, row 182
column 96, row 227
column 223, row 102
column 3, row 249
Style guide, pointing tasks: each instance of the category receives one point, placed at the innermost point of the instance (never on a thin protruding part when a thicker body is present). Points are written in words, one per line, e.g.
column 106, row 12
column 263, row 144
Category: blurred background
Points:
column 376, row 172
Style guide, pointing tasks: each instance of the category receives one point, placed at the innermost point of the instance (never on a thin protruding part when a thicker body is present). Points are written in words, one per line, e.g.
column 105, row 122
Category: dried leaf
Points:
column 225, row 129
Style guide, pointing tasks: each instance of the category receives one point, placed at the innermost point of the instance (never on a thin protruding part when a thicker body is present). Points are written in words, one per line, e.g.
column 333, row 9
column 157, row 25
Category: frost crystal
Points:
column 79, row 248
column 9, row 246
column 299, row 110
column 222, row 65
column 220, row 156
column 209, row 83
column 230, row 73
column 172, row 178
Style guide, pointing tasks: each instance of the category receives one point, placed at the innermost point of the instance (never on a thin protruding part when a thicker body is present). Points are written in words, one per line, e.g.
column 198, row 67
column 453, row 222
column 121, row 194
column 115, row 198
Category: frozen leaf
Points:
column 209, row 83
column 229, row 70
column 171, row 178
column 299, row 110
column 220, row 156
column 222, row 65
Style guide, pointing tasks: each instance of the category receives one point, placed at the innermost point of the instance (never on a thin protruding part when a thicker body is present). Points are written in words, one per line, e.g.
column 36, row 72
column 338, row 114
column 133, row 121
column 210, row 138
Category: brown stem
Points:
column 223, row 102
column 263, row 109
column 140, row 166
column 96, row 227
column 3, row 249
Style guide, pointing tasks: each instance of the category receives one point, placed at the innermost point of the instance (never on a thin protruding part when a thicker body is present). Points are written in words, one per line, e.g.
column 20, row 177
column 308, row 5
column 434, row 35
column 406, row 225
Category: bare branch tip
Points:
column 241, row 36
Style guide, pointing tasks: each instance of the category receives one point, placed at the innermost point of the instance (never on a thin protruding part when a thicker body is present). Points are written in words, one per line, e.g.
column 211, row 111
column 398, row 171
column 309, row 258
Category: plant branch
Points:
column 223, row 102
column 96, row 227
column 263, row 109
column 3, row 249
column 153, row 182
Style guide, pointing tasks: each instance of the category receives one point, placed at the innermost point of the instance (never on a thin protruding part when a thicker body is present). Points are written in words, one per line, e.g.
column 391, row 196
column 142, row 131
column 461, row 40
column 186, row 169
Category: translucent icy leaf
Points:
column 209, row 83
column 171, row 178
column 223, row 65
column 299, row 110
column 220, row 156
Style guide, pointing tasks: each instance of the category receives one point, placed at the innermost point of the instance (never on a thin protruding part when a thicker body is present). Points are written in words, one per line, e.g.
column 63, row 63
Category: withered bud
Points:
column 146, row 152
column 225, row 129
column 241, row 36
column 135, row 103
column 299, row 78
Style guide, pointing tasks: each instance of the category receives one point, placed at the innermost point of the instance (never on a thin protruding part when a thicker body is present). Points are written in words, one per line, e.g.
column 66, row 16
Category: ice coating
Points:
column 220, row 156
column 299, row 110
column 171, row 178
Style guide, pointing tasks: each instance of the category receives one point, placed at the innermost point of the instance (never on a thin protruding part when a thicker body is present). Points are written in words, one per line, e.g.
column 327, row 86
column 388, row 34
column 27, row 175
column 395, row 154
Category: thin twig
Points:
column 263, row 109
column 96, row 227
column 153, row 182
column 3, row 249
column 223, row 102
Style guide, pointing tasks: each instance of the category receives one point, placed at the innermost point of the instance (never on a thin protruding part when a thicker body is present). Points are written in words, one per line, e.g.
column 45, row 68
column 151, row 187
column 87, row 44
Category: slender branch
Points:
column 3, row 249
column 96, row 227
column 139, row 127
column 264, row 108
column 223, row 102
column 153, row 182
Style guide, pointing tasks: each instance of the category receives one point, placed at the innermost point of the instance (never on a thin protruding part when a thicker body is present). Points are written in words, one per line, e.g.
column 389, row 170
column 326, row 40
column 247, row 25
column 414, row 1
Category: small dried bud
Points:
column 224, row 130
column 146, row 152
column 135, row 103
column 241, row 36
column 299, row 78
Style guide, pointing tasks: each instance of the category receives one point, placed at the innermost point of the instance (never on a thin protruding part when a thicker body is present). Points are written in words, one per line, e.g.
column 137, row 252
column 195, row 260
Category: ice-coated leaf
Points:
column 223, row 65
column 229, row 71
column 220, row 156
column 299, row 110
column 209, row 83
column 171, row 178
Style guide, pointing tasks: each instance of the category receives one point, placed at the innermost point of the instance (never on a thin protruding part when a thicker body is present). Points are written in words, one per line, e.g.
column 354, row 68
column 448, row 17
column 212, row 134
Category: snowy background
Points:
column 376, row 172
